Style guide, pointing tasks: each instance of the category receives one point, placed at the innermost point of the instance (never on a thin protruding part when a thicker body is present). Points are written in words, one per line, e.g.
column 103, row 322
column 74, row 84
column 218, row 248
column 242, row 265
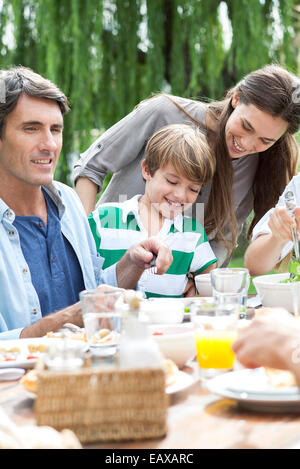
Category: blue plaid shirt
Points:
column 19, row 301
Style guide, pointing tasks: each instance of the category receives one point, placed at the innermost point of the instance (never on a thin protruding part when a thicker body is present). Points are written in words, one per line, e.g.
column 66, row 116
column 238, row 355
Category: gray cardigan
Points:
column 121, row 149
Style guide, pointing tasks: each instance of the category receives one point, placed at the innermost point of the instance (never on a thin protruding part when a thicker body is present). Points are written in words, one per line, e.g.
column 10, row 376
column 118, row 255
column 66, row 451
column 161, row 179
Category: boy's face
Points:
column 169, row 192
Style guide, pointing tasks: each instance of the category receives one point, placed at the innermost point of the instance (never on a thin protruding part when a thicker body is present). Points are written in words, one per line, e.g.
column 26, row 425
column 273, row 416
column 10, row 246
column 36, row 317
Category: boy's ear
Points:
column 145, row 170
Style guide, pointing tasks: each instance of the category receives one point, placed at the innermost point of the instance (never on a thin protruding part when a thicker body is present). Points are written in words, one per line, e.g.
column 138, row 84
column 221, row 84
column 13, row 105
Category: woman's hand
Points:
column 281, row 222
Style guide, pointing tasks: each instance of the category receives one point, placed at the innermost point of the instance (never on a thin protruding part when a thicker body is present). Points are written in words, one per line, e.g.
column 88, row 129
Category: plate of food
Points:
column 24, row 353
column 262, row 389
column 176, row 380
column 21, row 353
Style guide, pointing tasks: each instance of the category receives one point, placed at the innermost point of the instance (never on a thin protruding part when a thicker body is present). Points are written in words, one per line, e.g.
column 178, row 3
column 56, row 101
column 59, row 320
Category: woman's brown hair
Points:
column 271, row 89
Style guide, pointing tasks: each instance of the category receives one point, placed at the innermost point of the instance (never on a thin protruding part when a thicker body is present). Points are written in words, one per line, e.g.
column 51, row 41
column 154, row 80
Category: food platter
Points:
column 252, row 390
column 24, row 353
column 21, row 353
column 183, row 381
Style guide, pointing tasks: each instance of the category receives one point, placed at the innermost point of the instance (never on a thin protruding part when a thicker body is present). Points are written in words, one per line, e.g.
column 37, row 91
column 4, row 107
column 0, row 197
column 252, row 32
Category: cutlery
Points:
column 290, row 203
column 153, row 268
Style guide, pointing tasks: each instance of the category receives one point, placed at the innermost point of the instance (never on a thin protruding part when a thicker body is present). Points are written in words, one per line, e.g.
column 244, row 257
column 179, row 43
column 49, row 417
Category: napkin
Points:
column 14, row 436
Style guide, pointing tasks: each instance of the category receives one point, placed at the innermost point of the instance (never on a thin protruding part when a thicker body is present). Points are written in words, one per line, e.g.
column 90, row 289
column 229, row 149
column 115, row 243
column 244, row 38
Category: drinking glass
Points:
column 65, row 354
column 101, row 312
column 230, row 288
column 215, row 330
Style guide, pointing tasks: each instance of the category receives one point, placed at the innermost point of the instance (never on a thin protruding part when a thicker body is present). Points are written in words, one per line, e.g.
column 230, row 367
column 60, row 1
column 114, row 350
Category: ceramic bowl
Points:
column 272, row 293
column 162, row 311
column 203, row 284
column 176, row 341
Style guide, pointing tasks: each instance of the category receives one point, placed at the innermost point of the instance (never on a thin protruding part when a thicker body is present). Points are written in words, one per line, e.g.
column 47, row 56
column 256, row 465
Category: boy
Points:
column 178, row 162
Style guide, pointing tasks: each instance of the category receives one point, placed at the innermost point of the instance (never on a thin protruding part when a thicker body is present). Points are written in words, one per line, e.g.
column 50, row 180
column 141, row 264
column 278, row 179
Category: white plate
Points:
column 252, row 391
column 11, row 374
column 182, row 382
column 21, row 360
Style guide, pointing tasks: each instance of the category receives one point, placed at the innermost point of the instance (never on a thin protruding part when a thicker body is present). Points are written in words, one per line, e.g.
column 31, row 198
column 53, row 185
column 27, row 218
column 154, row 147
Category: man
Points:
column 47, row 253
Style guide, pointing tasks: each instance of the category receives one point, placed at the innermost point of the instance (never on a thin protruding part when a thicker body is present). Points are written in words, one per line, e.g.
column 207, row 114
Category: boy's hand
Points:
column 142, row 254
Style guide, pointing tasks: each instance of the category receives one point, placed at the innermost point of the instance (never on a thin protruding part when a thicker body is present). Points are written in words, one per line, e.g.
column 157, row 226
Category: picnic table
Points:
column 196, row 419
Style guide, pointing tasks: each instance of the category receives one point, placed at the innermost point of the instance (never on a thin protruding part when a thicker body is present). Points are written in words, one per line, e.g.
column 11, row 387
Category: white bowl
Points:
column 203, row 284
column 162, row 311
column 176, row 342
column 272, row 293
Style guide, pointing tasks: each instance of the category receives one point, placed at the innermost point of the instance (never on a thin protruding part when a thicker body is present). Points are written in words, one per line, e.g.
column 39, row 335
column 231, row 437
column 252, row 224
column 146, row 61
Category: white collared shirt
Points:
column 117, row 226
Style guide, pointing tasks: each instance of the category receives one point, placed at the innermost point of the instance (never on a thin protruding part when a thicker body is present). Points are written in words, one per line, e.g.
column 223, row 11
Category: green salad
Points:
column 294, row 269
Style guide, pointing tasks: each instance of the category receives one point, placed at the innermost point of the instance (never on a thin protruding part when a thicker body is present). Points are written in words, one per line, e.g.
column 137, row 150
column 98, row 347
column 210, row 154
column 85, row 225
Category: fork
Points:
column 290, row 203
column 153, row 269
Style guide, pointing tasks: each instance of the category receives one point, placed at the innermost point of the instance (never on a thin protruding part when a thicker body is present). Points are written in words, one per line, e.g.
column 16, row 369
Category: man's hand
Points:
column 53, row 322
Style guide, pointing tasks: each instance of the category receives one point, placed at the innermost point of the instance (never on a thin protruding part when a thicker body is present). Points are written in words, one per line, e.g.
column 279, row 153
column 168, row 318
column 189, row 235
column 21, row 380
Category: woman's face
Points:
column 251, row 130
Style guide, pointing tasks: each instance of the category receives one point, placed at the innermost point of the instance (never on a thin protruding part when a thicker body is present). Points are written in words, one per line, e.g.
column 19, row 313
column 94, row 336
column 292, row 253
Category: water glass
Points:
column 65, row 354
column 101, row 312
column 230, row 287
column 215, row 329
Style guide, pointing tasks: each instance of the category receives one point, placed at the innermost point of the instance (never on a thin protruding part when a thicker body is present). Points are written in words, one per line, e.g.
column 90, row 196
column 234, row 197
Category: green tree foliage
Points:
column 107, row 55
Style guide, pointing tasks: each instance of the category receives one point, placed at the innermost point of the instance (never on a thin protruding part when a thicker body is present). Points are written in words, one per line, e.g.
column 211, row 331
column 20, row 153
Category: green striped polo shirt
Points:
column 117, row 226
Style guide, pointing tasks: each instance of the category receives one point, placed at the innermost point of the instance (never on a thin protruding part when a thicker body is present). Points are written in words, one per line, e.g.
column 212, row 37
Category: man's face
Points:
column 31, row 142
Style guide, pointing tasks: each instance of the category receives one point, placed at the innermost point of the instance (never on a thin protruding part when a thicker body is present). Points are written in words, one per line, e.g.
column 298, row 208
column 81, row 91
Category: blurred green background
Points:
column 107, row 55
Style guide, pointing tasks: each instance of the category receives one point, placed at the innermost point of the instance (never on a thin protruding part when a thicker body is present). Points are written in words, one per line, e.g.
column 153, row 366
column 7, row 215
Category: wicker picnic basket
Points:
column 104, row 405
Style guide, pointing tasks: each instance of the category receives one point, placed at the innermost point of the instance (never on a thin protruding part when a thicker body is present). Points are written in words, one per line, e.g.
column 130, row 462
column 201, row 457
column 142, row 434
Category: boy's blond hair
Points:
column 186, row 148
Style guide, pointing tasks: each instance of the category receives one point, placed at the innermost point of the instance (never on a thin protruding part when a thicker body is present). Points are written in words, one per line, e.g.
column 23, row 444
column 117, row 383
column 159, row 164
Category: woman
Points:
column 272, row 245
column 250, row 132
